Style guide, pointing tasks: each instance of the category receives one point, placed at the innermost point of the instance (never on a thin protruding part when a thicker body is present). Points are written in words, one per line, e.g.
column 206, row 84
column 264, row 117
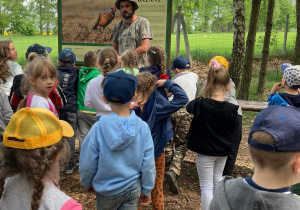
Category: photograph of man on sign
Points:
column 133, row 32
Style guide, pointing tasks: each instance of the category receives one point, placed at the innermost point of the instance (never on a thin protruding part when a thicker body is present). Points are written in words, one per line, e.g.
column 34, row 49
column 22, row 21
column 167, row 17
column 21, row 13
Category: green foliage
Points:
column 217, row 15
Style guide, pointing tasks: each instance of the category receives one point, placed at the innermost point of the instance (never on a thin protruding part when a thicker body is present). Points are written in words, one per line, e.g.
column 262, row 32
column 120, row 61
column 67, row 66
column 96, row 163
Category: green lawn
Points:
column 23, row 42
column 203, row 45
column 206, row 45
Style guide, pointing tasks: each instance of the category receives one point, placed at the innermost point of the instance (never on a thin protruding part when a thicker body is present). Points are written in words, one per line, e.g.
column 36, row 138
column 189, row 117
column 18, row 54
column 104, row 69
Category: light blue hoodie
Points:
column 116, row 153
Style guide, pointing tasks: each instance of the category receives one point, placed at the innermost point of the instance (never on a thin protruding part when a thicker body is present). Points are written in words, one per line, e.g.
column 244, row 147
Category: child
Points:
column 108, row 61
column 129, row 62
column 68, row 81
column 181, row 121
column 117, row 159
column 291, row 96
column 237, row 134
column 5, row 112
column 16, row 96
column 40, row 77
column 33, row 149
column 86, row 117
column 155, row 110
column 8, row 68
column 275, row 151
column 290, row 82
column 210, row 134
column 156, row 59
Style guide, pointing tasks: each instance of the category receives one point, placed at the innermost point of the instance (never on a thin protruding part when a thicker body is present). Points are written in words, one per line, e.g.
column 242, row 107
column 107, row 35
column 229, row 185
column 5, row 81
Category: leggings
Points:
column 157, row 193
column 209, row 170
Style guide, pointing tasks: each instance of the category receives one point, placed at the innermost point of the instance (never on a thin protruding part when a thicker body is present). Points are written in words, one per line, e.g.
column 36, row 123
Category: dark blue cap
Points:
column 119, row 87
column 181, row 63
column 38, row 49
column 67, row 56
column 282, row 122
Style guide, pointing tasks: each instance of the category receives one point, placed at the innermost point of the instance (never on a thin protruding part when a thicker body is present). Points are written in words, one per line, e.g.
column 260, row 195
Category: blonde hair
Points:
column 4, row 56
column 156, row 56
column 34, row 165
column 31, row 56
column 266, row 159
column 146, row 82
column 108, row 59
column 129, row 59
column 34, row 69
column 216, row 78
column 90, row 59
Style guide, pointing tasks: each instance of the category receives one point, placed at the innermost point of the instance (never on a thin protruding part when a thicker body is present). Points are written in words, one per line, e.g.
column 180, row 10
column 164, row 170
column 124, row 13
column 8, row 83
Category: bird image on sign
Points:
column 102, row 20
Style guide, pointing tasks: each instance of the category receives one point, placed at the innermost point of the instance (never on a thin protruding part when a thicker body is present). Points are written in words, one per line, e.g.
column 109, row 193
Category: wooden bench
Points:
column 252, row 106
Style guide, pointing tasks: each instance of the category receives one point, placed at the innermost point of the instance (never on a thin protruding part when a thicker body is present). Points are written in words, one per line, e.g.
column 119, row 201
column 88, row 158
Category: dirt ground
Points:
column 189, row 196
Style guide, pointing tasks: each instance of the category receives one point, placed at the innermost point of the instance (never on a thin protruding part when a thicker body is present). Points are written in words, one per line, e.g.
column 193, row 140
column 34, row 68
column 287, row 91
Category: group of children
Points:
column 132, row 124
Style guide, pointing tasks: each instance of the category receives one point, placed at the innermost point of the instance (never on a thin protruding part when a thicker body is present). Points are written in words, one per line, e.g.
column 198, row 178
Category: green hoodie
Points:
column 85, row 75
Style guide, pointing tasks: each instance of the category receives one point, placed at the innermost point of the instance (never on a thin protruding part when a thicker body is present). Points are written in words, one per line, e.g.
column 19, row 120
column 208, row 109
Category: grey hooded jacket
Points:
column 236, row 194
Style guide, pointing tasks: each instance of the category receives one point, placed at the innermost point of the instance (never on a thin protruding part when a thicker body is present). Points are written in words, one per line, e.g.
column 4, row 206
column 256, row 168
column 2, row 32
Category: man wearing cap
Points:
column 131, row 33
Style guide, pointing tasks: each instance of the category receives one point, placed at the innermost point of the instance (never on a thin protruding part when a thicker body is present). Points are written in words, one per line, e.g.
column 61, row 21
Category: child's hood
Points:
column 186, row 76
column 120, row 132
column 88, row 73
column 67, row 69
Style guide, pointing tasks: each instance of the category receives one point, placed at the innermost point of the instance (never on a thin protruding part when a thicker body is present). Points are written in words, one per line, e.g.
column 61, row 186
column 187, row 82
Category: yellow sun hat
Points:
column 32, row 128
column 221, row 60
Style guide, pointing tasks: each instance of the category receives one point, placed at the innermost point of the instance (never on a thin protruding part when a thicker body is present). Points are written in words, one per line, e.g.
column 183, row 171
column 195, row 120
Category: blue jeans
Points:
column 126, row 200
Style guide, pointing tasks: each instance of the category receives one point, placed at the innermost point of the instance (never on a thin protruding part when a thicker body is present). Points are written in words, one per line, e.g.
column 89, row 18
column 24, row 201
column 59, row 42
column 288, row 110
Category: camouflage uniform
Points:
column 129, row 36
column 181, row 121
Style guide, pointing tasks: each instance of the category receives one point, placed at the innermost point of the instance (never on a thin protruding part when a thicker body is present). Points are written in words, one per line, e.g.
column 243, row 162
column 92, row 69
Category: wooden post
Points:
column 285, row 34
column 186, row 41
column 177, row 50
column 175, row 17
column 168, row 48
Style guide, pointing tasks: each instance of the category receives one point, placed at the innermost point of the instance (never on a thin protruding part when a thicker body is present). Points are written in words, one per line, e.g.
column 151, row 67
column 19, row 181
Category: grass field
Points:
column 206, row 45
column 23, row 42
column 203, row 46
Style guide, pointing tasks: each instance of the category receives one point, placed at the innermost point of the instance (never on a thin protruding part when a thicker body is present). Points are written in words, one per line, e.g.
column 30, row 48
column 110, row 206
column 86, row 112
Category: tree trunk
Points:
column 40, row 19
column 265, row 52
column 238, row 49
column 247, row 69
column 297, row 45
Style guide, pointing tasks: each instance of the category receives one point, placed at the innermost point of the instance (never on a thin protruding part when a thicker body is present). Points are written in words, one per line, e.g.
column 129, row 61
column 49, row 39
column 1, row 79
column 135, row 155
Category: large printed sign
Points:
column 86, row 25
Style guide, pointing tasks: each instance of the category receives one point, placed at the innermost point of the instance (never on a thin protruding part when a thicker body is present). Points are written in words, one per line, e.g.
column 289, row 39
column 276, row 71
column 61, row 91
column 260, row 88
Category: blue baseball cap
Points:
column 181, row 63
column 285, row 65
column 67, row 56
column 282, row 122
column 119, row 87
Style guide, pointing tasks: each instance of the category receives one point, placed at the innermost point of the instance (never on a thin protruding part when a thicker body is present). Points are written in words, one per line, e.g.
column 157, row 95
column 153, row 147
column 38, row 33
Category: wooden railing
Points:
column 252, row 106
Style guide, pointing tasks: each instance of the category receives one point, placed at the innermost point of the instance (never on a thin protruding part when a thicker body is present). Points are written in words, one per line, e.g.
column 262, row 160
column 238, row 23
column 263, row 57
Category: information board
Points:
column 79, row 28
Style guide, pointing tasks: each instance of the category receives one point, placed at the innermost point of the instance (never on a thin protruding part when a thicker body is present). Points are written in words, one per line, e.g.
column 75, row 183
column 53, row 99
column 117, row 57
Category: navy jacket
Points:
column 157, row 111
column 68, row 81
column 155, row 70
